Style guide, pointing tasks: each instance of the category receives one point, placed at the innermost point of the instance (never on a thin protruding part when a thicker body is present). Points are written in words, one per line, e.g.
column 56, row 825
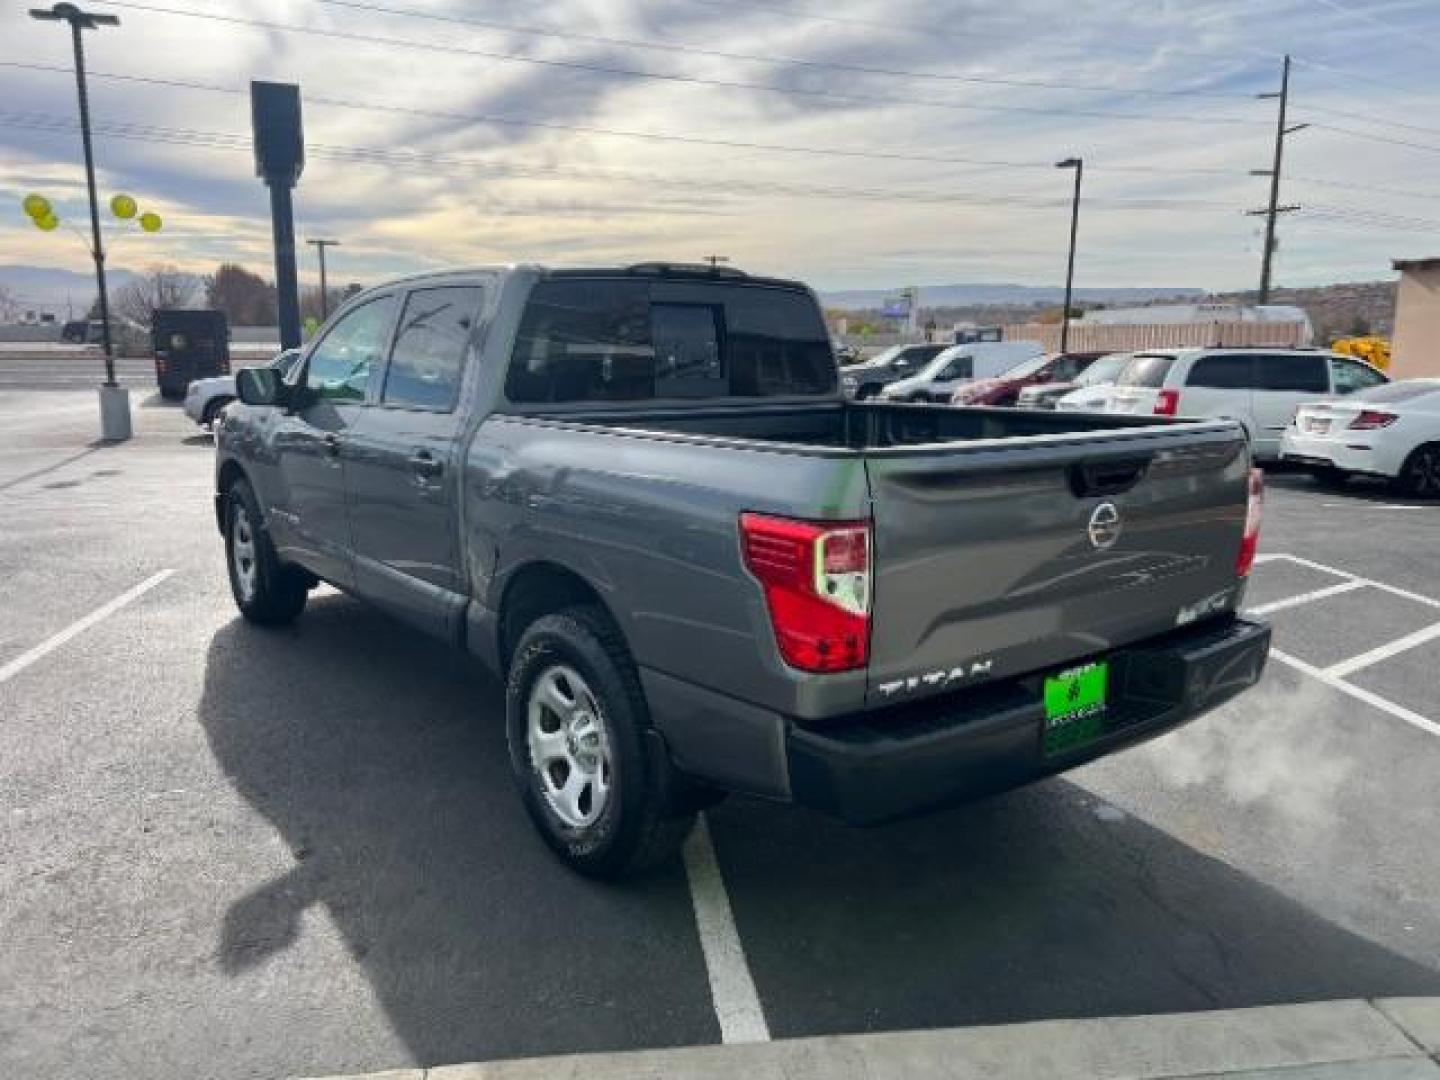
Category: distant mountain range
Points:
column 973, row 295
column 45, row 288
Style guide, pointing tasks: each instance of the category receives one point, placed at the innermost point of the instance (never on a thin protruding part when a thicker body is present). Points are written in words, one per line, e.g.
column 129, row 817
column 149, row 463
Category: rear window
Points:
column 1303, row 374
column 1397, row 391
column 607, row 339
column 1146, row 371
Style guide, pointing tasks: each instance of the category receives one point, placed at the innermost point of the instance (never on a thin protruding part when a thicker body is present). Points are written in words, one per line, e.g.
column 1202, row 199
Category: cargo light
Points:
column 817, row 588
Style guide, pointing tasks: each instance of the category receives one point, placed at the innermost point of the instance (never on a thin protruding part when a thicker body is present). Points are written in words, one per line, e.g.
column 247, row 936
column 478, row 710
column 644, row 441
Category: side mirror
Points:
column 260, row 386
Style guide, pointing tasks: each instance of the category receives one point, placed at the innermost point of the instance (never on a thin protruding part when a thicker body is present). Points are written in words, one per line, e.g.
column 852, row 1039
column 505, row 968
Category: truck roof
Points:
column 696, row 271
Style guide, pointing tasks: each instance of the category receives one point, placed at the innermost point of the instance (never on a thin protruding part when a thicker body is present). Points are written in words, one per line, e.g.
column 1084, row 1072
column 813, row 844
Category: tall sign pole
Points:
column 279, row 161
column 114, row 402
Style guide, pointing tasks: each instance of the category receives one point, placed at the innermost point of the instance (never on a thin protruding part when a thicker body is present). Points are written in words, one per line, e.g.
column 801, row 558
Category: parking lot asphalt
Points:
column 234, row 852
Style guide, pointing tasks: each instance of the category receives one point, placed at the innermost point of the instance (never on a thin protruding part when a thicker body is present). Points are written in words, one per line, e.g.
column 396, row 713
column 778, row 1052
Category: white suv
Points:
column 1259, row 387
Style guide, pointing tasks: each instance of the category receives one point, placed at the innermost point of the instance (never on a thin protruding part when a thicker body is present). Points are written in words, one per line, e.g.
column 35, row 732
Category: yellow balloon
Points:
column 150, row 221
column 37, row 206
column 47, row 222
column 123, row 207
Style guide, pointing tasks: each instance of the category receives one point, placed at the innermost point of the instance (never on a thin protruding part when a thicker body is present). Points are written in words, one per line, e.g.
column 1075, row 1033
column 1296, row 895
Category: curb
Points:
column 1387, row 1039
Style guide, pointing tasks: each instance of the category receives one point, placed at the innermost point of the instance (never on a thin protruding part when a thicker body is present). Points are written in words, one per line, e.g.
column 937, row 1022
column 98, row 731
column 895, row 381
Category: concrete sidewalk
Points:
column 1388, row 1039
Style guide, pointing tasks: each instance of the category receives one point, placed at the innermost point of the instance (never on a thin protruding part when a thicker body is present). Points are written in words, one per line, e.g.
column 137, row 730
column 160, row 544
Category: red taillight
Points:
column 1370, row 419
column 817, row 587
column 1167, row 403
column 1250, row 541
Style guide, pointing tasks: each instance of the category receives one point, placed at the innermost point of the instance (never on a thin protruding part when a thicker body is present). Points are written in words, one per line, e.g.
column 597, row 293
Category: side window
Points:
column 1351, row 375
column 341, row 364
column 1294, row 373
column 1227, row 371
column 962, row 367
column 430, row 347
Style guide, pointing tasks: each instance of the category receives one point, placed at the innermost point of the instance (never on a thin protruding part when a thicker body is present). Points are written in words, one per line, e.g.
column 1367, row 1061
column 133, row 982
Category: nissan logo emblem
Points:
column 1104, row 528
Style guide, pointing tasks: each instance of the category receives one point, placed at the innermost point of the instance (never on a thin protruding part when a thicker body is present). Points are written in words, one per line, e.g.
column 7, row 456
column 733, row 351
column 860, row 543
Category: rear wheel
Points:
column 576, row 723
column 266, row 590
column 1420, row 475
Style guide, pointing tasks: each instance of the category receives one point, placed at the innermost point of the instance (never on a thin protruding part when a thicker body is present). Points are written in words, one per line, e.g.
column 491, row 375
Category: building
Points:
column 1415, row 350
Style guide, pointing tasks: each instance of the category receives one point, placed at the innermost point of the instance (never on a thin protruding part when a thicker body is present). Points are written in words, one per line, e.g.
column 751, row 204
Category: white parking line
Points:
column 1384, row 652
column 50, row 644
column 1429, row 601
column 732, row 990
column 1359, row 693
column 1305, row 598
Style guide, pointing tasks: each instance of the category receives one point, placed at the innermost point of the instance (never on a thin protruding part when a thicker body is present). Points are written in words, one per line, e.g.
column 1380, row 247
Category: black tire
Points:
column 1331, row 477
column 866, row 392
column 212, row 409
column 639, row 823
column 1420, row 475
column 266, row 591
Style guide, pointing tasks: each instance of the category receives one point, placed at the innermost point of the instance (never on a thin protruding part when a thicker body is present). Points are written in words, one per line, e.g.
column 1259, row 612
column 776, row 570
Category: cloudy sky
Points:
column 852, row 143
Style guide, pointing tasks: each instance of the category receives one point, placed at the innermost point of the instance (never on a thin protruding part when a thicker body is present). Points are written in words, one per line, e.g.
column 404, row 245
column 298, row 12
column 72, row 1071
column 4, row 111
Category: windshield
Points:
column 1104, row 370
column 886, row 357
column 1026, row 368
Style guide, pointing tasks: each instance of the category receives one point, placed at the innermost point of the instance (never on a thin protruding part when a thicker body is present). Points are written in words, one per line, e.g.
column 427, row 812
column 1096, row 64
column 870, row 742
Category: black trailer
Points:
column 189, row 345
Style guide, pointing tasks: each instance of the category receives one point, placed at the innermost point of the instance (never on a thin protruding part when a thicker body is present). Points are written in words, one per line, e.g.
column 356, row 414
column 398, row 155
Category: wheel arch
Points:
column 230, row 472
column 539, row 588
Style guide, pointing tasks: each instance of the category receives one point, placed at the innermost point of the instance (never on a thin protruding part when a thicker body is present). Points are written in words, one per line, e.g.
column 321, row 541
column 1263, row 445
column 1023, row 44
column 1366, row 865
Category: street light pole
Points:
column 114, row 404
column 1078, row 164
column 81, row 20
column 320, row 246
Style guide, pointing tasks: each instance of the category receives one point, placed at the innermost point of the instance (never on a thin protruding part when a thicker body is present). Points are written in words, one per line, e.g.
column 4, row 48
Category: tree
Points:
column 163, row 287
column 246, row 299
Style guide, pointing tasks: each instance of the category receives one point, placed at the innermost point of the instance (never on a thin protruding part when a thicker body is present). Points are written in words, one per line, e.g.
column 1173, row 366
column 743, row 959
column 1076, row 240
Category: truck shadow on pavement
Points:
column 380, row 759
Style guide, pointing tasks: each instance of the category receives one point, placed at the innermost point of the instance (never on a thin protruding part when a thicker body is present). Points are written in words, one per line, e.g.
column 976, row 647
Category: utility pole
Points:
column 114, row 407
column 1275, row 209
column 1078, row 164
column 320, row 246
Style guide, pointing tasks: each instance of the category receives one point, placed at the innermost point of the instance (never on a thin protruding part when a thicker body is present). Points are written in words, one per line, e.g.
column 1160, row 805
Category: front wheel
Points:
column 266, row 590
column 576, row 720
column 1420, row 475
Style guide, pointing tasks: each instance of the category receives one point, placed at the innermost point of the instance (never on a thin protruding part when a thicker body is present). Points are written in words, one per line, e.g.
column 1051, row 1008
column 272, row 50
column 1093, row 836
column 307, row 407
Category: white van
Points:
column 1260, row 387
column 937, row 380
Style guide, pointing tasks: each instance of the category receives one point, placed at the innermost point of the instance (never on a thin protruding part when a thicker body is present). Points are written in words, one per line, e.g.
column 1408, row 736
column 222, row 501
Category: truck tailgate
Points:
column 993, row 561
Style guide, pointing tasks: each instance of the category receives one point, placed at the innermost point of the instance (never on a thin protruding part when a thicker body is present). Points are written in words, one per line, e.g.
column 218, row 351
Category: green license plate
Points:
column 1075, row 706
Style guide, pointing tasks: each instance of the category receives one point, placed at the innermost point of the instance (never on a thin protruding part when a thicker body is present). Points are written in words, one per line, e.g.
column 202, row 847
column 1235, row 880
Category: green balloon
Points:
column 37, row 206
column 123, row 207
column 47, row 222
column 150, row 221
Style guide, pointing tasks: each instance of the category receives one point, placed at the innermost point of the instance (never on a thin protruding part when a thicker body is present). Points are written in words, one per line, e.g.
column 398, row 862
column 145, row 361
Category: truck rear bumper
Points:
column 901, row 761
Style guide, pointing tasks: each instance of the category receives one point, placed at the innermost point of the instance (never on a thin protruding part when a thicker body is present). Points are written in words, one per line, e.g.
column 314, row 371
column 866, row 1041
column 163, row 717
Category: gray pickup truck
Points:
column 639, row 495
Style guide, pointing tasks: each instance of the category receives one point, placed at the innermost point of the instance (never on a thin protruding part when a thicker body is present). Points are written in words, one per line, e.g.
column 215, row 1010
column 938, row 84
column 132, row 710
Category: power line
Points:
column 1369, row 118
column 697, row 50
column 1370, row 135
column 727, row 84
column 1369, row 189
column 728, row 144
column 1373, row 20
column 239, row 141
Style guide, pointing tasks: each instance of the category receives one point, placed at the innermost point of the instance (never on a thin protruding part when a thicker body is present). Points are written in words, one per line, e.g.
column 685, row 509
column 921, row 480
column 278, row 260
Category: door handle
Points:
column 332, row 444
column 425, row 465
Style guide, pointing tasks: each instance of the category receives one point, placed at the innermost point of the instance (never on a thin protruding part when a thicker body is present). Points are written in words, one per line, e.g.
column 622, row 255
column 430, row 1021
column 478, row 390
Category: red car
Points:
column 1004, row 390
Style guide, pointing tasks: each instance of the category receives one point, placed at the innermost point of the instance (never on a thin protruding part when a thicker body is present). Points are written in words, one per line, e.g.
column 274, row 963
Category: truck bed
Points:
column 864, row 426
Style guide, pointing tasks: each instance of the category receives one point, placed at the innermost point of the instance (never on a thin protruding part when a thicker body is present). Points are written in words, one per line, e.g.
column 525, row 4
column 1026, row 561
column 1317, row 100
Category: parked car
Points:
column 204, row 398
column 1049, row 395
column 960, row 364
column 1004, row 390
column 867, row 378
column 1391, row 430
column 845, row 354
column 1259, row 387
column 188, row 345
column 638, row 494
